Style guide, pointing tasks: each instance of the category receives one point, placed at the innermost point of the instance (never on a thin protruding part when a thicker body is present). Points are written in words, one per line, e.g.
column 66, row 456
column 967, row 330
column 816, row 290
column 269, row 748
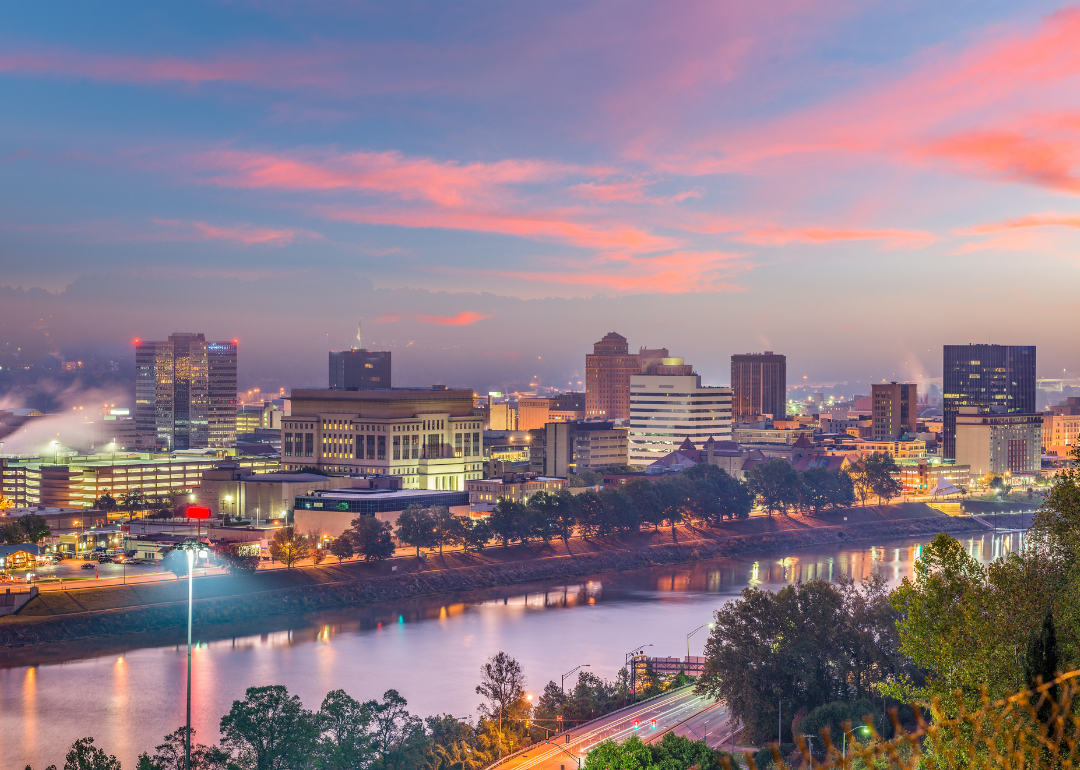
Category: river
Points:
column 127, row 697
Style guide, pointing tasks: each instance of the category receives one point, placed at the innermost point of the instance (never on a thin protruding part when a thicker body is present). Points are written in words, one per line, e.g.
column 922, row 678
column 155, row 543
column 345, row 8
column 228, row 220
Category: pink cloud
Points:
column 464, row 318
column 1020, row 234
column 245, row 234
column 776, row 235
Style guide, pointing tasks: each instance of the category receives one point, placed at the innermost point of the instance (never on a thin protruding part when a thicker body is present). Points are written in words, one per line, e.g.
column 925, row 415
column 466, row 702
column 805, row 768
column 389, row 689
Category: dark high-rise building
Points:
column 185, row 393
column 758, row 385
column 894, row 409
column 1001, row 376
column 607, row 378
column 360, row 369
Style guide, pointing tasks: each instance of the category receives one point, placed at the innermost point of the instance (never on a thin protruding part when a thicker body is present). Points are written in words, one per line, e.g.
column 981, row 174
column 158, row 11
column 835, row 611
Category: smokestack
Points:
column 359, row 341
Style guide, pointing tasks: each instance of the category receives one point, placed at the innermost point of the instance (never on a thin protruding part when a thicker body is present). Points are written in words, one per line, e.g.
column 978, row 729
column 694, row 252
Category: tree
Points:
column 775, row 483
column 475, row 535
column 171, row 754
column 502, row 683
column 238, row 559
column 269, row 730
column 807, row 644
column 646, row 500
column 288, row 546
column 397, row 733
column 714, row 495
column 133, row 501
column 342, row 548
column 12, row 534
column 415, row 527
column 590, row 515
column 106, row 503
column 672, row 752
column 84, row 755
column 507, row 521
column 861, row 479
column 619, row 515
column 560, row 511
column 674, row 500
column 176, row 562
column 881, row 470
column 447, row 528
column 345, row 740
column 373, row 539
column 318, row 553
column 1042, row 663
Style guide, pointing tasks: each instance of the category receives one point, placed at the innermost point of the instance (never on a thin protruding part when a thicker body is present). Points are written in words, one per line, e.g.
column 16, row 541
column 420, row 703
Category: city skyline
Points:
column 293, row 170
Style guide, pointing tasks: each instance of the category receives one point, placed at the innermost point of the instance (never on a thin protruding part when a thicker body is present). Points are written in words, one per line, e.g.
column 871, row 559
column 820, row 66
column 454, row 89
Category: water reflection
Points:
column 428, row 649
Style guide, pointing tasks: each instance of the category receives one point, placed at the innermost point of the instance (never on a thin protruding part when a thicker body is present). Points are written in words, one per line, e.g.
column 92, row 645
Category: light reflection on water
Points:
column 430, row 649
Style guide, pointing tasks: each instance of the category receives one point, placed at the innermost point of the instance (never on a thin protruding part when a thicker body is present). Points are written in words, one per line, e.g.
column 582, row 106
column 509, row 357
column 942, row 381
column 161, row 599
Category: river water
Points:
column 127, row 697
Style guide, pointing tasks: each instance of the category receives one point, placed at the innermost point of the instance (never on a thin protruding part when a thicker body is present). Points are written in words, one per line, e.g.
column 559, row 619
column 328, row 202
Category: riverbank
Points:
column 132, row 610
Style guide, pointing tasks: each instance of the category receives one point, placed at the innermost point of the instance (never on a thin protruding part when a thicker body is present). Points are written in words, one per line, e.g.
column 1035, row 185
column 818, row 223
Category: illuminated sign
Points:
column 198, row 512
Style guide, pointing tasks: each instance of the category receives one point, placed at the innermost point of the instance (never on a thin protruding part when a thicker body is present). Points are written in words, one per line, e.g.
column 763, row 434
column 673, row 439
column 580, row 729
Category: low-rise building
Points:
column 1061, row 428
column 746, row 435
column 330, row 512
column 913, row 449
column 574, row 447
column 922, row 476
column 518, row 487
column 534, row 413
column 228, row 490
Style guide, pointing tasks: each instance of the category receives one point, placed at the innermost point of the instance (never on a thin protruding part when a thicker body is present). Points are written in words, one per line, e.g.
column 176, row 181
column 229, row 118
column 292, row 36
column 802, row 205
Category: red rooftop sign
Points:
column 198, row 512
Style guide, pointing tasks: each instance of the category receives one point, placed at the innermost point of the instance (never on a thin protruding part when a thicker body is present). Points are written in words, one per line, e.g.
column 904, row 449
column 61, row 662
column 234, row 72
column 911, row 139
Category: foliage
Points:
column 268, row 730
column 171, row 754
column 235, row 562
column 84, row 755
column 315, row 542
column 1042, row 662
column 133, row 501
column 807, row 645
column 585, row 479
column 716, row 495
column 345, row 740
column 475, row 534
column 882, row 472
column 447, row 528
column 342, row 548
column 29, row 528
column 373, row 539
column 106, row 503
column 833, row 716
column 176, row 562
column 672, row 752
column 590, row 698
column 775, row 483
column 289, row 546
column 502, row 683
column 416, row 527
column 12, row 534
column 821, row 489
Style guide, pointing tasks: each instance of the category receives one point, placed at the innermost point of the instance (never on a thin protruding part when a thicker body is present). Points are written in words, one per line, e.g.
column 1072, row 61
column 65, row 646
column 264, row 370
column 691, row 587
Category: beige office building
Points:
column 666, row 409
column 995, row 442
column 429, row 437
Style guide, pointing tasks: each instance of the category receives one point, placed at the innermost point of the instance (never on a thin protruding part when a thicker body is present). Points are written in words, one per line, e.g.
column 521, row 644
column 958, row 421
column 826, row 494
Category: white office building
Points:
column 666, row 409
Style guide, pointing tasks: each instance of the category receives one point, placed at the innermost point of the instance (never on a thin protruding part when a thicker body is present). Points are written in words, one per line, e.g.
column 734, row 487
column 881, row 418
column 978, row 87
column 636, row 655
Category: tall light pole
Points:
column 562, row 682
column 710, row 625
column 190, row 548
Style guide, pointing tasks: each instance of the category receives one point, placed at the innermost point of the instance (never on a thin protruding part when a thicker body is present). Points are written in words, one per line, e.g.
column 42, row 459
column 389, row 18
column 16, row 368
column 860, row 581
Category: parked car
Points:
column 104, row 559
column 133, row 560
column 88, row 566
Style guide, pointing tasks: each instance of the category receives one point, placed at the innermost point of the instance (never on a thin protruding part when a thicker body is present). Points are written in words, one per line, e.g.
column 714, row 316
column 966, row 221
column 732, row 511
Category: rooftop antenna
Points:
column 359, row 341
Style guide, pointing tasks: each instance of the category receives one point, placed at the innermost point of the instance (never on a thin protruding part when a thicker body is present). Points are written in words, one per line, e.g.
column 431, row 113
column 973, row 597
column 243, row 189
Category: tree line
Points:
column 270, row 729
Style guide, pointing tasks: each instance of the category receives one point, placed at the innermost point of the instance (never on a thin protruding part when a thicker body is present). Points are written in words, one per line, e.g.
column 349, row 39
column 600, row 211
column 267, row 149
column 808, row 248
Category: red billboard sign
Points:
column 198, row 512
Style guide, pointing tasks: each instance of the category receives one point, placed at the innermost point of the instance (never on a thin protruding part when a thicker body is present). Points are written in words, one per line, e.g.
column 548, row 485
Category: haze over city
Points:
column 492, row 188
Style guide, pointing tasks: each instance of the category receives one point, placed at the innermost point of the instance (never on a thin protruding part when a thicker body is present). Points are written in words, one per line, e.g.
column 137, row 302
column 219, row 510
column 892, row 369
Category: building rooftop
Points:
column 377, row 494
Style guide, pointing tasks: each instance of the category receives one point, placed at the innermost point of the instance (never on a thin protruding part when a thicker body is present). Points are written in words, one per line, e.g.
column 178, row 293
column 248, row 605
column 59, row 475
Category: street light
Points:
column 710, row 625
column 562, row 683
column 190, row 548
column 626, row 660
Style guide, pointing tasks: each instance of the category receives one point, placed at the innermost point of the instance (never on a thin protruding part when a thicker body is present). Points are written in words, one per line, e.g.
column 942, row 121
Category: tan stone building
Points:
column 428, row 436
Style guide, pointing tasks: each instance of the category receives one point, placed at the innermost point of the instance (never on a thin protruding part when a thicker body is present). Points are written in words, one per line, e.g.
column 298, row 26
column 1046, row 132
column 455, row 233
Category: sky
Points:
column 493, row 187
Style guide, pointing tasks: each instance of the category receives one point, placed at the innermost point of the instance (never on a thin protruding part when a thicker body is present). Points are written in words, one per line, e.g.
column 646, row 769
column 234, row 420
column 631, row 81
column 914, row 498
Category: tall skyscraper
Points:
column 359, row 369
column 894, row 409
column 607, row 378
column 758, row 385
column 185, row 393
column 986, row 376
column 670, row 406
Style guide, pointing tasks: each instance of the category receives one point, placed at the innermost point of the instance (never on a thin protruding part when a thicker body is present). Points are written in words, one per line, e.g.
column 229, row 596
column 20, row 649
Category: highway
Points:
column 567, row 752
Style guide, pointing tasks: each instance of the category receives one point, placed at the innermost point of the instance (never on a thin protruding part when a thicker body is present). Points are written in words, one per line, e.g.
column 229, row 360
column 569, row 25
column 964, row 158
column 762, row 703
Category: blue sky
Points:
column 491, row 185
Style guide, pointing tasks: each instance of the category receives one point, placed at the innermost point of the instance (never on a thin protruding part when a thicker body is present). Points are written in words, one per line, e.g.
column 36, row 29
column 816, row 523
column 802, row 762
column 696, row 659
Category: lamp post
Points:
column 710, row 625
column 562, row 683
column 56, row 448
column 626, row 660
column 190, row 548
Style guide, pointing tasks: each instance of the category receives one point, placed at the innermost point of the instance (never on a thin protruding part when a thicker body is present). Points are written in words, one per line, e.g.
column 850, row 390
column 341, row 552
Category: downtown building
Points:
column 430, row 437
column 669, row 405
column 894, row 406
column 185, row 394
column 758, row 386
column 991, row 377
column 991, row 440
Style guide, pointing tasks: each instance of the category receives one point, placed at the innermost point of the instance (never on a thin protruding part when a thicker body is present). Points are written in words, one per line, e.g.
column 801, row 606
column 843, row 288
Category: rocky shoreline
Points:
column 28, row 632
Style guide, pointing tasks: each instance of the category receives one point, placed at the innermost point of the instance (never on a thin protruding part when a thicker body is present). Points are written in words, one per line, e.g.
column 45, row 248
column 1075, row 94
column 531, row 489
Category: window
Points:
column 371, row 447
column 416, row 446
column 309, row 445
column 468, row 444
column 397, row 447
column 434, row 445
column 476, row 443
column 288, row 443
column 382, row 448
column 457, row 445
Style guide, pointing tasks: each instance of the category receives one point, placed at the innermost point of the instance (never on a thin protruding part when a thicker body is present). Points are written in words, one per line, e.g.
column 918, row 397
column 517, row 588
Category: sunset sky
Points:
column 494, row 186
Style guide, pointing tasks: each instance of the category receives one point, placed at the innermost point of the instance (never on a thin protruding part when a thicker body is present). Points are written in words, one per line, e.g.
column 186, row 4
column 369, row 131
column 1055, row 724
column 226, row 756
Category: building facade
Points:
column 894, row 409
column 995, row 441
column 1061, row 428
column 331, row 511
column 758, row 385
column 985, row 376
column 573, row 447
column 519, row 487
column 428, row 436
column 919, row 478
column 535, row 413
column 608, row 370
column 185, row 393
column 666, row 410
column 359, row 369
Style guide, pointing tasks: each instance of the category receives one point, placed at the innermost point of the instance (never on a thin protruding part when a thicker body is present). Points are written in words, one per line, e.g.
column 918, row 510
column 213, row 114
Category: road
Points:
column 564, row 752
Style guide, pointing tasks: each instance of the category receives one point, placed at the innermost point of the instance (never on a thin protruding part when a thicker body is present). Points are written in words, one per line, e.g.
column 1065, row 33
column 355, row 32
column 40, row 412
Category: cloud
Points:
column 244, row 234
column 464, row 318
column 1027, row 233
column 114, row 231
column 776, row 235
column 1048, row 219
